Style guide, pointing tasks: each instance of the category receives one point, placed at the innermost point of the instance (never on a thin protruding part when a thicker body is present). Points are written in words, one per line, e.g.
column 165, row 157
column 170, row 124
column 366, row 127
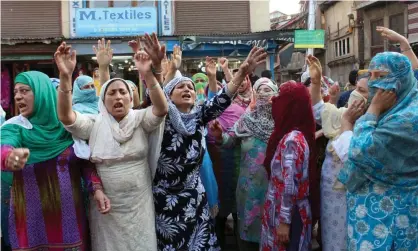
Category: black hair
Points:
column 266, row 74
column 352, row 77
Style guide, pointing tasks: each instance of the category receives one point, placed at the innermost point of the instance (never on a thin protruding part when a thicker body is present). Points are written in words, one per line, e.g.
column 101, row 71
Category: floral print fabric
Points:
column 288, row 190
column 251, row 188
column 181, row 207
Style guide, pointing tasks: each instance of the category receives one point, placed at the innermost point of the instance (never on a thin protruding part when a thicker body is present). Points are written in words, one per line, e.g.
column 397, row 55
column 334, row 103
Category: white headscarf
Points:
column 184, row 123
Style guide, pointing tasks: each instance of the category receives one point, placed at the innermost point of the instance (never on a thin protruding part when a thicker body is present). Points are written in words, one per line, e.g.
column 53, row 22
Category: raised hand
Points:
column 104, row 52
column 135, row 45
column 174, row 63
column 390, row 35
column 210, row 67
column 354, row 111
column 153, row 48
column 143, row 62
column 256, row 57
column 315, row 69
column 223, row 62
column 17, row 159
column 65, row 59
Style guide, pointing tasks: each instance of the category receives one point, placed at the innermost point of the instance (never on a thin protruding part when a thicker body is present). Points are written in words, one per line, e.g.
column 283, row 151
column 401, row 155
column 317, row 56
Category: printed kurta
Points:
column 46, row 205
column 181, row 207
column 288, row 190
column 333, row 202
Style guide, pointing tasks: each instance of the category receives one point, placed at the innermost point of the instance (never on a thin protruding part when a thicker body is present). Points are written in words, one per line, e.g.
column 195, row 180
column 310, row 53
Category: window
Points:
column 377, row 40
column 342, row 47
column 396, row 23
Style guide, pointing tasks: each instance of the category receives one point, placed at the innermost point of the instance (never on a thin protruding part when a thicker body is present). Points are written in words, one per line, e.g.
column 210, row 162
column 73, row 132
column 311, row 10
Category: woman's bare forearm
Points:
column 104, row 74
column 65, row 108
column 228, row 74
column 158, row 99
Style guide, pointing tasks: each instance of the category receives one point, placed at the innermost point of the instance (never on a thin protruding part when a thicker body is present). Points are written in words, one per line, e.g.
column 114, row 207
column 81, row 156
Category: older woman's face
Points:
column 117, row 100
column 184, row 95
column 25, row 99
column 362, row 87
column 87, row 86
column 264, row 90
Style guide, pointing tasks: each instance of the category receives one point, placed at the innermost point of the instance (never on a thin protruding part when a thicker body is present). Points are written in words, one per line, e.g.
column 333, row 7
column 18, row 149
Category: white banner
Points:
column 166, row 17
column 74, row 5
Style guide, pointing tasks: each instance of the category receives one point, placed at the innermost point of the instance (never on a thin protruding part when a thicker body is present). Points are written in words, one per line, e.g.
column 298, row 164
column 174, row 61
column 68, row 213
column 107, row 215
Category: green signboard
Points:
column 309, row 39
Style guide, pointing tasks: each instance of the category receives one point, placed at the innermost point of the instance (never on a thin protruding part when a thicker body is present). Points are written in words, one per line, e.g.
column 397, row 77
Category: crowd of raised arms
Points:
column 91, row 167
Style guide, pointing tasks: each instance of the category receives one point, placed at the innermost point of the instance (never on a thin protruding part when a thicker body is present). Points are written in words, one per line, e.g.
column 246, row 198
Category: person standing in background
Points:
column 96, row 80
column 349, row 87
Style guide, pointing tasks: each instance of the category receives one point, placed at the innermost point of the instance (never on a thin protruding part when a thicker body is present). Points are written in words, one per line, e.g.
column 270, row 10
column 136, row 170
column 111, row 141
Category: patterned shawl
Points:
column 257, row 122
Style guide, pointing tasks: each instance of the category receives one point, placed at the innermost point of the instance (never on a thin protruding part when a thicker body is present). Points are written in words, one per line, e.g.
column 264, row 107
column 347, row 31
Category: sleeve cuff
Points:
column 342, row 144
column 317, row 110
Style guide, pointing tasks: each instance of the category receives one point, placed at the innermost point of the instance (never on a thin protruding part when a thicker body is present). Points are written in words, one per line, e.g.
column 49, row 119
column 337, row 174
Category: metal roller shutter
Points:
column 30, row 19
column 211, row 17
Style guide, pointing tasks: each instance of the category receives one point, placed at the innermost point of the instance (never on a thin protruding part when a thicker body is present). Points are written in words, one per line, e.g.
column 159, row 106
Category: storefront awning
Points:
column 119, row 47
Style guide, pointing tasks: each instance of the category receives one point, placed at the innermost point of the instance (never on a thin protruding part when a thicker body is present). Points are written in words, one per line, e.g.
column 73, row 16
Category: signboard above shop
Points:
column 111, row 22
column 305, row 39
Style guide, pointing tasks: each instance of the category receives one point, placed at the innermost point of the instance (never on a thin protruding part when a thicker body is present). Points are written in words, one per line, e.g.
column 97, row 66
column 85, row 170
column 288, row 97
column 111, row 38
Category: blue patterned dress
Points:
column 381, row 171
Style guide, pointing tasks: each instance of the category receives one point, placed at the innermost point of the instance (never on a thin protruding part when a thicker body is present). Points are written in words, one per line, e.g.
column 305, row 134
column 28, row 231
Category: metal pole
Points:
column 311, row 21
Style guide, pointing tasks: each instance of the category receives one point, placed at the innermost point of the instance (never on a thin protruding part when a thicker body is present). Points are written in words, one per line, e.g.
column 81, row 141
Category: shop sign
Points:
column 74, row 5
column 305, row 39
column 108, row 22
column 166, row 17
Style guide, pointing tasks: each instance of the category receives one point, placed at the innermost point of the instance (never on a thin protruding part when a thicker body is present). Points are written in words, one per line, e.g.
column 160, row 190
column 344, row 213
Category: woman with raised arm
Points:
column 124, row 145
column 46, row 207
column 250, row 134
column 182, row 211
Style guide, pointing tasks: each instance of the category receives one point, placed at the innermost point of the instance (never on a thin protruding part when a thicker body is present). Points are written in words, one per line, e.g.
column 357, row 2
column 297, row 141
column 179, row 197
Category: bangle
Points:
column 155, row 71
column 154, row 86
column 64, row 91
column 234, row 84
column 410, row 48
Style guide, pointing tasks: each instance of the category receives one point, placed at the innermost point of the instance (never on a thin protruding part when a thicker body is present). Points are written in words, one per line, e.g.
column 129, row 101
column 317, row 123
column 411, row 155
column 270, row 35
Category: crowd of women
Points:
column 89, row 169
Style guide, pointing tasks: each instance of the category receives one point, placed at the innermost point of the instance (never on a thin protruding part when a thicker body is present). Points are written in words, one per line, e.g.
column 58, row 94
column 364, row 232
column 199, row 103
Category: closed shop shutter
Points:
column 30, row 19
column 211, row 17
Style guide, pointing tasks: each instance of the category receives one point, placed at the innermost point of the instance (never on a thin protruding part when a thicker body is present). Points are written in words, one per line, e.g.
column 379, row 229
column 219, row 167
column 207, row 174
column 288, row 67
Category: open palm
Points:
column 155, row 50
column 65, row 59
column 104, row 52
column 142, row 62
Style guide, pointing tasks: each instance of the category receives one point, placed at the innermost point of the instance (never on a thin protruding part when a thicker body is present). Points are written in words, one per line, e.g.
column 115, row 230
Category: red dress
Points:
column 288, row 190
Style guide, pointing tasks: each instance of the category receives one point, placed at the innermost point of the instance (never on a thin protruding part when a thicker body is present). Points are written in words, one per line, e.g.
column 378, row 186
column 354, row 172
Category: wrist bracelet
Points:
column 410, row 48
column 64, row 91
column 154, row 86
column 155, row 71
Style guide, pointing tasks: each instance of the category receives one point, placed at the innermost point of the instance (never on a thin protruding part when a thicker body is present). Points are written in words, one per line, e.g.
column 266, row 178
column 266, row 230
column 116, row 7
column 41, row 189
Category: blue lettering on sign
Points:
column 98, row 22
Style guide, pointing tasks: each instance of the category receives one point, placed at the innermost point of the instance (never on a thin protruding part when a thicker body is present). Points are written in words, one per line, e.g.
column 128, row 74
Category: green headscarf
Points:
column 48, row 138
column 200, row 87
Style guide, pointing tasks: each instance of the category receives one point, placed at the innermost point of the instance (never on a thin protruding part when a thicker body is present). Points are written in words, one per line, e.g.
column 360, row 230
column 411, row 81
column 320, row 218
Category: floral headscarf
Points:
column 259, row 121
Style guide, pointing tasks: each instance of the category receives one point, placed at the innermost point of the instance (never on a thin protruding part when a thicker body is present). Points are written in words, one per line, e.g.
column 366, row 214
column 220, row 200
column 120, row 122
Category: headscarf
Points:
column 84, row 101
column 292, row 110
column 259, row 121
column 387, row 154
column 106, row 148
column 331, row 115
column 47, row 139
column 2, row 116
column 244, row 98
column 183, row 123
column 200, row 87
column 55, row 82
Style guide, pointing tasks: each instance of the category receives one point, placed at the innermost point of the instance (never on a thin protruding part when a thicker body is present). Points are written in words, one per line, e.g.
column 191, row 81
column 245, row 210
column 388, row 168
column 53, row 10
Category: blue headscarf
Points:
column 55, row 82
column 386, row 151
column 85, row 101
